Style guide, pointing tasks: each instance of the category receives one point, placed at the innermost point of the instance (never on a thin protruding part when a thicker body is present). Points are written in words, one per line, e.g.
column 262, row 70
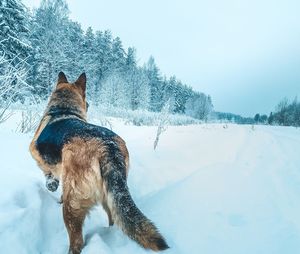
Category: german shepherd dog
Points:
column 92, row 164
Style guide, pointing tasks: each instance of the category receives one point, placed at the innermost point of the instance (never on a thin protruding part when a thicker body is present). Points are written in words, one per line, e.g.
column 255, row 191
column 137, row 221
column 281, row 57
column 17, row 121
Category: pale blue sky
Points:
column 245, row 54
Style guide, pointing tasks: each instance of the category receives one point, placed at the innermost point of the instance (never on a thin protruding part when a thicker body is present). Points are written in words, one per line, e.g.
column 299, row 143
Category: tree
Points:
column 181, row 95
column 73, row 49
column 131, row 62
column 287, row 113
column 113, row 92
column 136, row 82
column 263, row 119
column 137, row 85
column 118, row 55
column 199, row 106
column 271, row 119
column 48, row 36
column 257, row 118
column 155, row 83
column 102, row 59
column 12, row 84
column 14, row 31
column 282, row 112
column 88, row 50
column 14, row 44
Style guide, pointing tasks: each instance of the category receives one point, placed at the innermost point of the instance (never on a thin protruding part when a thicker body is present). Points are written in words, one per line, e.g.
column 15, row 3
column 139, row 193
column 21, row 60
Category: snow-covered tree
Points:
column 138, row 89
column 102, row 61
column 257, row 117
column 113, row 92
column 12, row 84
column 287, row 113
column 14, row 30
column 156, row 85
column 118, row 55
column 199, row 106
column 49, row 40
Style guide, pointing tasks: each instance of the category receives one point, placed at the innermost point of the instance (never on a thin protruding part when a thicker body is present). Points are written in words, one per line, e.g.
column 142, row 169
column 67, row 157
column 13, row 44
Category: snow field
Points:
column 209, row 189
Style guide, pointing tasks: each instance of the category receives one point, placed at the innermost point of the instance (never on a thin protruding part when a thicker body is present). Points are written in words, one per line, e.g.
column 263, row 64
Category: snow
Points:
column 209, row 189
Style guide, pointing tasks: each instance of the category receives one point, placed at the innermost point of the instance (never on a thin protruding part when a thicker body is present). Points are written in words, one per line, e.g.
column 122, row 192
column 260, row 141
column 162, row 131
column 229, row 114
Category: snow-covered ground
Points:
column 209, row 189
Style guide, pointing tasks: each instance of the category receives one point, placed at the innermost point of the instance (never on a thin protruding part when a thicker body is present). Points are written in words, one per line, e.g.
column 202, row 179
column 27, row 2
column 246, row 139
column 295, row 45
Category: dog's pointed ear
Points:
column 81, row 83
column 62, row 78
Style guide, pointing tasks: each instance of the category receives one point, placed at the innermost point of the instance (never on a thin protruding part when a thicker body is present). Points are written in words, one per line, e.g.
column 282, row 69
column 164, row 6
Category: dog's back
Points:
column 55, row 135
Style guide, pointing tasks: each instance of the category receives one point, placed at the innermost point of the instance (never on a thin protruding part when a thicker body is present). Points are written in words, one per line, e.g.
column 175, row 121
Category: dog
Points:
column 92, row 163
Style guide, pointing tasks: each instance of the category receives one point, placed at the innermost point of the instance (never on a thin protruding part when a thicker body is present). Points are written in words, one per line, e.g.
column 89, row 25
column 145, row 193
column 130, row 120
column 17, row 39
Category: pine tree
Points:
column 257, row 118
column 14, row 46
column 118, row 55
column 88, row 54
column 102, row 62
column 50, row 41
column 131, row 62
column 156, row 85
column 113, row 92
column 14, row 30
column 138, row 89
column 136, row 82
column 271, row 118
column 72, row 48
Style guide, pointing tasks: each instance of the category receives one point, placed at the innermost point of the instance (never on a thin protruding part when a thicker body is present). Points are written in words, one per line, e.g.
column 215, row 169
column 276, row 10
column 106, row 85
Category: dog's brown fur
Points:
column 92, row 165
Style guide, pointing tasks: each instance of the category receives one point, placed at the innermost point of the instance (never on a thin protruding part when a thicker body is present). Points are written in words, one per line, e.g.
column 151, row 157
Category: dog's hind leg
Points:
column 107, row 210
column 74, row 215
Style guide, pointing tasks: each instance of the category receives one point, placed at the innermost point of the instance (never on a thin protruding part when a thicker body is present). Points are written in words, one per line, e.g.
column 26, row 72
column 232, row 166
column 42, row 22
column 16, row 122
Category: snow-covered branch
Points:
column 12, row 84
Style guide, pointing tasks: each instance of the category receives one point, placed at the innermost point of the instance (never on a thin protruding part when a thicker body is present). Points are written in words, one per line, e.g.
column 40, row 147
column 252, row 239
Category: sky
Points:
column 244, row 53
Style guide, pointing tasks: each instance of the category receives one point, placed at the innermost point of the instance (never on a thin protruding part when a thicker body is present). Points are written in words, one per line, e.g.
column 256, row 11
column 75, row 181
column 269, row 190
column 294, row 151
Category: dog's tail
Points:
column 124, row 211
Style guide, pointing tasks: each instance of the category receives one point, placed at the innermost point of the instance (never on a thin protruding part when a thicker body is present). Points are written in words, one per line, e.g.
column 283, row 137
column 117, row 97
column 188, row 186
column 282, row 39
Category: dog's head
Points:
column 69, row 97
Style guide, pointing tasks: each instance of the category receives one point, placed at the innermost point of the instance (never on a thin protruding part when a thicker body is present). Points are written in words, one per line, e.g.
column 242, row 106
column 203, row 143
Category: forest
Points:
column 36, row 45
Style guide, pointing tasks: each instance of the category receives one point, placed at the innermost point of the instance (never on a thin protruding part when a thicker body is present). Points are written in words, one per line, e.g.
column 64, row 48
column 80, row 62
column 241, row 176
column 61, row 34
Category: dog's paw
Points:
column 52, row 184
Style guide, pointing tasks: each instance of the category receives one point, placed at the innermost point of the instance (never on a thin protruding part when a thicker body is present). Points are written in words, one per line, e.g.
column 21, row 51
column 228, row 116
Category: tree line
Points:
column 286, row 113
column 41, row 43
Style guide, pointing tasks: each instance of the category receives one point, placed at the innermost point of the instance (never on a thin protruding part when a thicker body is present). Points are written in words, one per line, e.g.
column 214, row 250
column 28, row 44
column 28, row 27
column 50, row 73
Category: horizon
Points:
column 243, row 54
